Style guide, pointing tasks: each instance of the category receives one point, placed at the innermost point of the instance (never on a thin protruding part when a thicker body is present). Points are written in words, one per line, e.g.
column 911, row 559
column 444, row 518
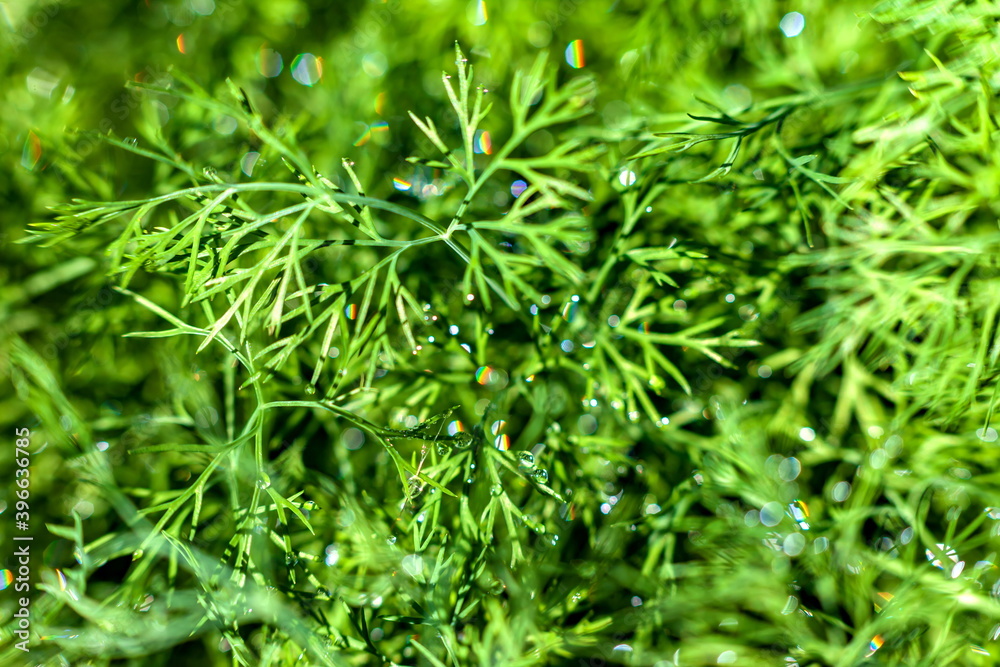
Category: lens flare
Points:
column 574, row 54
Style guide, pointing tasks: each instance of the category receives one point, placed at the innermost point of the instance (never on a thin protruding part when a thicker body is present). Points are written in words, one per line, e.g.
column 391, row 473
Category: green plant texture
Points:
column 464, row 333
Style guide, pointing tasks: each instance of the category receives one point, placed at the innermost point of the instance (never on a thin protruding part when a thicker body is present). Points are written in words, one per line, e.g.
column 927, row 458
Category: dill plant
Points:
column 239, row 252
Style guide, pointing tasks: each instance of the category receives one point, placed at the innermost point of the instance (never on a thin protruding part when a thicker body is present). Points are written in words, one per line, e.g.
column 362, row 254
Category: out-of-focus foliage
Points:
column 647, row 333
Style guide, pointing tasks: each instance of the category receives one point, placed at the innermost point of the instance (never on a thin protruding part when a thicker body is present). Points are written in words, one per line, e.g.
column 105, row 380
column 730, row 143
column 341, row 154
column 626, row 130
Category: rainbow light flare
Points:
column 483, row 143
column 574, row 54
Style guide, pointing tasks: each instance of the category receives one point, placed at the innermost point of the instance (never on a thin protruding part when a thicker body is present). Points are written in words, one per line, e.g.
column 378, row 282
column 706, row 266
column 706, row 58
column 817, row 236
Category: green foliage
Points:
column 544, row 369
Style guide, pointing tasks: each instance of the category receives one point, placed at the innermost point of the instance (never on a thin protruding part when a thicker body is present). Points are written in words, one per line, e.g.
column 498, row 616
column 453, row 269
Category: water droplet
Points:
column 587, row 424
column 477, row 13
column 413, row 565
column 569, row 310
column 353, row 438
column 771, row 514
column 442, row 449
column 793, row 544
column 307, row 69
column 792, row 24
column 800, row 512
column 526, row 459
column 137, row 554
column 540, row 475
column 496, row 490
column 264, row 481
column 875, row 644
column 575, row 54
column 492, row 378
column 948, row 551
column 310, row 388
column 269, row 62
column 726, row 658
column 391, row 539
column 482, row 143
column 791, row 604
column 789, row 469
column 455, row 427
column 987, row 434
column 878, row 459
column 626, row 178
